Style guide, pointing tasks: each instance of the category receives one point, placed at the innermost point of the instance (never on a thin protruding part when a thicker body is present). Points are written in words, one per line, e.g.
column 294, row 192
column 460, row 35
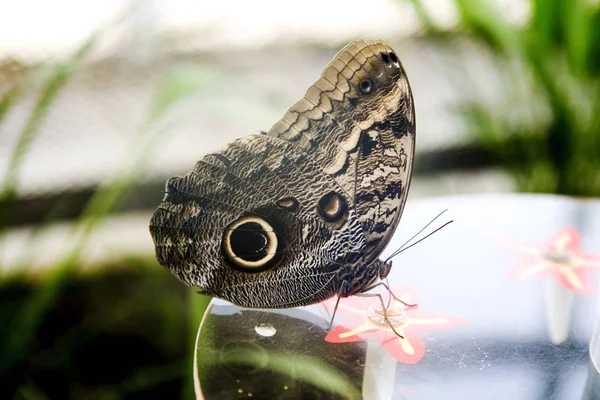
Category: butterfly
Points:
column 301, row 213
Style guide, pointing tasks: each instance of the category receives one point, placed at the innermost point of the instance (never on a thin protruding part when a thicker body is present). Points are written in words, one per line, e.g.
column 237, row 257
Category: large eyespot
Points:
column 250, row 243
column 366, row 86
column 332, row 207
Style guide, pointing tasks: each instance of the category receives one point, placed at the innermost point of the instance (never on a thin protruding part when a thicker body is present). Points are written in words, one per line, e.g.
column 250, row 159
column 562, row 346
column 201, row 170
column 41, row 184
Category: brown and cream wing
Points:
column 358, row 122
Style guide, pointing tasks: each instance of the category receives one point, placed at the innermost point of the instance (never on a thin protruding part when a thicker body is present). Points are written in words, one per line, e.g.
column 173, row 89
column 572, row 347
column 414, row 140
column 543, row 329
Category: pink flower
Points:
column 561, row 257
column 363, row 318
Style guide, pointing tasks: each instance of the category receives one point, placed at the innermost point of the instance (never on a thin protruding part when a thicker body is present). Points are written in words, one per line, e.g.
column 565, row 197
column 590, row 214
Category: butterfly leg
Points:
column 386, row 286
column 385, row 316
column 390, row 294
column 342, row 289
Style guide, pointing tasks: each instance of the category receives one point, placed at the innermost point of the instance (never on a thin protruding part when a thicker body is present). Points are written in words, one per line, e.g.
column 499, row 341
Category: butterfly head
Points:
column 384, row 268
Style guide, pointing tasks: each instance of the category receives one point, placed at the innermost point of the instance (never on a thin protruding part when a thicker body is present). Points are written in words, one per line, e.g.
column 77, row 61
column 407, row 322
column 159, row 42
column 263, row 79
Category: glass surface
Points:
column 507, row 307
column 592, row 389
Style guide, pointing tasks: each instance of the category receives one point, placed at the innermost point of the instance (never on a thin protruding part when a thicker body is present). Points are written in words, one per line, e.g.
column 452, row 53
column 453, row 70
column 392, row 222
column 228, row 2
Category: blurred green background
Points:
column 100, row 103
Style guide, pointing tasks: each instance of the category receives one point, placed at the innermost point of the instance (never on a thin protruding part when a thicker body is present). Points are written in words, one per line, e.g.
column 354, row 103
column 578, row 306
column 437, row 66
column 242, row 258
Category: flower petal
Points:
column 429, row 321
column 341, row 334
column 566, row 239
column 579, row 280
column 407, row 350
column 531, row 267
column 588, row 260
column 350, row 316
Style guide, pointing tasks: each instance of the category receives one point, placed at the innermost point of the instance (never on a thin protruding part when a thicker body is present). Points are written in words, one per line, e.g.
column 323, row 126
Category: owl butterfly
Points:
column 298, row 214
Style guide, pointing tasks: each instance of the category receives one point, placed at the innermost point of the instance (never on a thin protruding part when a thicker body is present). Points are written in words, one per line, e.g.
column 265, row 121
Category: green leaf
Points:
column 576, row 30
column 430, row 27
column 557, row 60
column 593, row 50
column 197, row 307
column 59, row 77
column 8, row 100
column 181, row 82
column 547, row 20
column 482, row 18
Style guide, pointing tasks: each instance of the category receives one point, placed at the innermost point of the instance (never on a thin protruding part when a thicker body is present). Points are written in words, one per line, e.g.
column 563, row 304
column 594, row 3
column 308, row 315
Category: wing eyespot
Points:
column 250, row 244
column 366, row 86
column 390, row 59
column 333, row 208
column 289, row 204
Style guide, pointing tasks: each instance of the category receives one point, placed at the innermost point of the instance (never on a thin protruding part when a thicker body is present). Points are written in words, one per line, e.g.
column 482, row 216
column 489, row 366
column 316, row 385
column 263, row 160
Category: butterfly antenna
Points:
column 415, row 235
column 402, row 248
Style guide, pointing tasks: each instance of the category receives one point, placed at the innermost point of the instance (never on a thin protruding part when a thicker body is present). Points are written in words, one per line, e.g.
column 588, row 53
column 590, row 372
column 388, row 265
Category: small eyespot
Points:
column 385, row 58
column 366, row 86
column 289, row 204
column 393, row 58
column 332, row 207
column 250, row 243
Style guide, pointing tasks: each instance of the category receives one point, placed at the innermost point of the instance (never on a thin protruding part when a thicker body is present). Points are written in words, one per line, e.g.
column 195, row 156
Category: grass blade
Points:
column 175, row 87
column 488, row 24
column 58, row 79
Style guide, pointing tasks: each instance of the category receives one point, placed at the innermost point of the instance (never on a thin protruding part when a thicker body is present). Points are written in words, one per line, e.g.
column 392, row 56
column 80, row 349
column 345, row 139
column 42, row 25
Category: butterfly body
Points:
column 300, row 213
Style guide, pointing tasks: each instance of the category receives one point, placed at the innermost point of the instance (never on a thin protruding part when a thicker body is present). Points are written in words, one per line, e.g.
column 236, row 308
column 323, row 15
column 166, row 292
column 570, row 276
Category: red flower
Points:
column 561, row 257
column 363, row 318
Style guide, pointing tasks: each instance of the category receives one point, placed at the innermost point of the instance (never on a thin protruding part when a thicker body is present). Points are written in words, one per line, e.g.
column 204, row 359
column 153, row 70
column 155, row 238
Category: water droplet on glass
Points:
column 266, row 330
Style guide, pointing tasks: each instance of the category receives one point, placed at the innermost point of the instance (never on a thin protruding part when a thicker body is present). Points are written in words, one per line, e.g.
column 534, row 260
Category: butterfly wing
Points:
column 244, row 226
column 358, row 121
column 271, row 219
